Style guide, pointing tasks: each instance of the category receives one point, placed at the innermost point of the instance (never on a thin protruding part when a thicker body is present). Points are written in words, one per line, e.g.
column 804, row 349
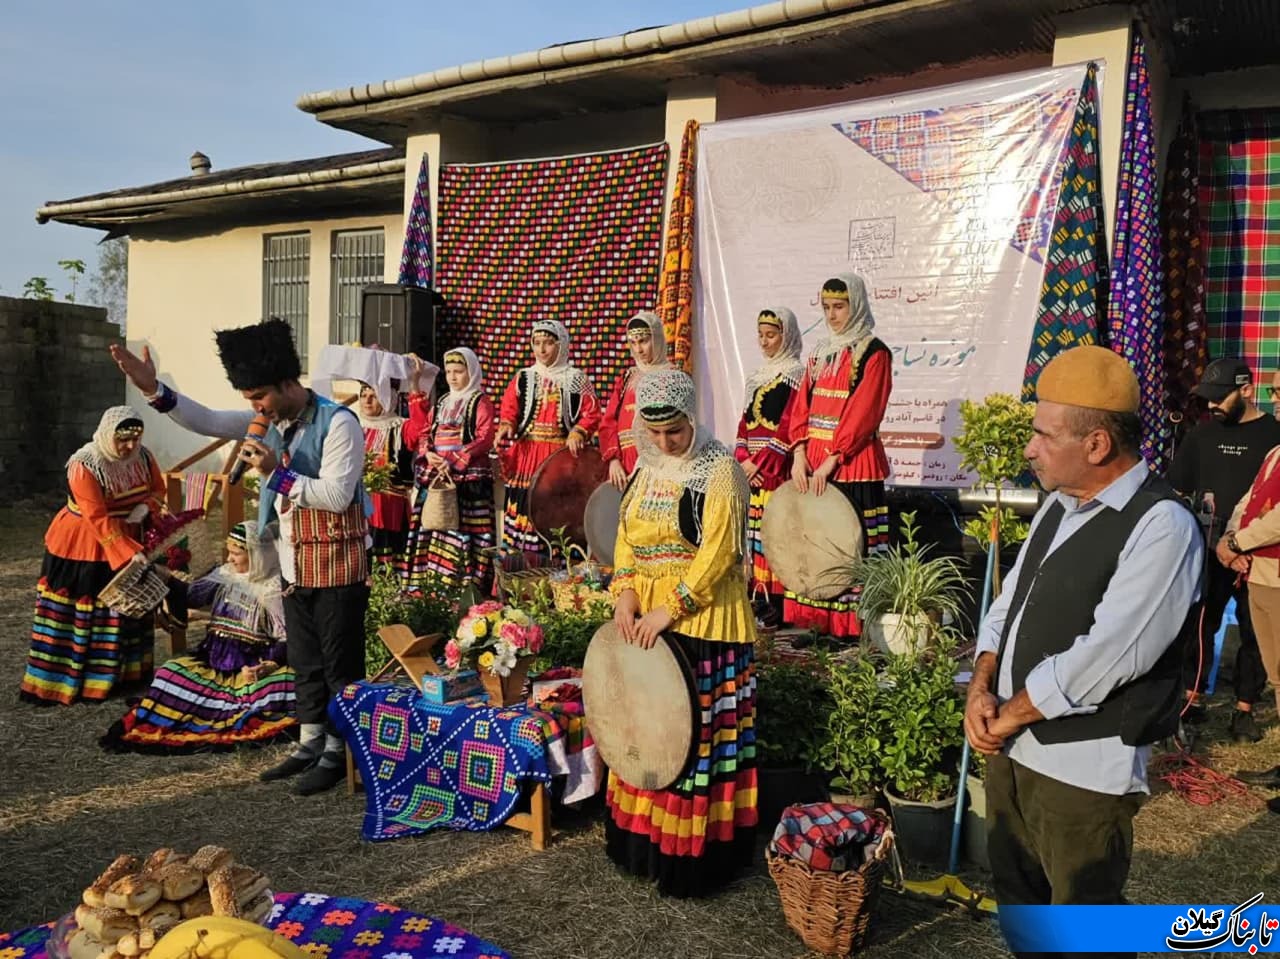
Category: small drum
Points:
column 814, row 544
column 559, row 491
column 601, row 521
column 640, row 707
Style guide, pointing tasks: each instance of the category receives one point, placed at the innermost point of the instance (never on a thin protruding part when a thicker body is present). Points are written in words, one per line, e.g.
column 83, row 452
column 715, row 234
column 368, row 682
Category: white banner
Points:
column 943, row 200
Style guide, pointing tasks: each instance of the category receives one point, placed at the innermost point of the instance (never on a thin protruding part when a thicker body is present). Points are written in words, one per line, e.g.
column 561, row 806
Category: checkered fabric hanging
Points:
column 416, row 259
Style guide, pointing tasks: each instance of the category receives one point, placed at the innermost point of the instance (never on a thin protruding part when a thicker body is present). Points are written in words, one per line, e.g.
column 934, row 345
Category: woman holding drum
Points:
column 764, row 431
column 835, row 435
column 547, row 406
column 679, row 579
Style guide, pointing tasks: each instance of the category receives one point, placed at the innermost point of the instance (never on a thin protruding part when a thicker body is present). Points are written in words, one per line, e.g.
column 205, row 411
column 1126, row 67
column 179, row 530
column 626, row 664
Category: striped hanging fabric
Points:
column 197, row 490
column 1135, row 299
column 1186, row 334
column 675, row 291
column 417, row 258
column 1073, row 294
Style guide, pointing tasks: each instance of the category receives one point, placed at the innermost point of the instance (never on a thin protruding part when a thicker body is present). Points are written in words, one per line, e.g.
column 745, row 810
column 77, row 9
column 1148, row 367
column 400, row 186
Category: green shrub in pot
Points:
column 792, row 704
column 851, row 748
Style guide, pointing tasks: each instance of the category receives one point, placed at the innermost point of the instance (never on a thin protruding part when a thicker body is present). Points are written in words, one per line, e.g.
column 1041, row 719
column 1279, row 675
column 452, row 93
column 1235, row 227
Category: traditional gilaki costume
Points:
column 460, row 429
column 764, row 434
column 80, row 649
column 235, row 687
column 680, row 545
column 838, row 409
column 616, row 439
column 316, row 498
column 544, row 404
column 386, row 440
column 1088, row 633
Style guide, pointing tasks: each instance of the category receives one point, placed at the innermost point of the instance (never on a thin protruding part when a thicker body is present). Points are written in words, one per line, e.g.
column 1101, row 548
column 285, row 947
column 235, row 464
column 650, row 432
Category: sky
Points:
column 98, row 96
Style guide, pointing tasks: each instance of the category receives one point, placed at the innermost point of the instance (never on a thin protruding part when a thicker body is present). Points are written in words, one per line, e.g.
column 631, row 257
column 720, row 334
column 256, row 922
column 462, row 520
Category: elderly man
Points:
column 1079, row 661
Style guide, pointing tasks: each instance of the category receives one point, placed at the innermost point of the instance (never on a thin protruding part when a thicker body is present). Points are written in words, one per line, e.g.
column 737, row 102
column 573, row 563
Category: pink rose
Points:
column 513, row 634
column 484, row 609
column 534, row 635
column 452, row 655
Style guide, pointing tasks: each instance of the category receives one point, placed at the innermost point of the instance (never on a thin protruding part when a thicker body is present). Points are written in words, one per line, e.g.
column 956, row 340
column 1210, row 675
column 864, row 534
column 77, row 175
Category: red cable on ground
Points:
column 1197, row 783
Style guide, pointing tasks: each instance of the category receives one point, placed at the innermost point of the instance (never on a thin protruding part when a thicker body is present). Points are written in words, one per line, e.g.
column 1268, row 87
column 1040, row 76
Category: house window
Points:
column 357, row 262
column 286, row 283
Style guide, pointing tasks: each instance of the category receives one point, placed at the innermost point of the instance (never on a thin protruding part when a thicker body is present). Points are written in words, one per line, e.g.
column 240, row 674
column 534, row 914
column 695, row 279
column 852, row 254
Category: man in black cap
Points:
column 1214, row 466
column 310, row 456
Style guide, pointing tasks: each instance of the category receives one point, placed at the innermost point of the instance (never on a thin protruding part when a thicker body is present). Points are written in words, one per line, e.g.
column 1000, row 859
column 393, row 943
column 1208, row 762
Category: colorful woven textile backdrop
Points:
column 675, row 293
column 1240, row 230
column 1136, row 297
column 1186, row 339
column 1073, row 294
column 576, row 239
column 416, row 256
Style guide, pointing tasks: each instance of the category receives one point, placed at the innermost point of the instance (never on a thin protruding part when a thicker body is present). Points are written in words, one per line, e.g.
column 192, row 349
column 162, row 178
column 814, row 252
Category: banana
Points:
column 221, row 937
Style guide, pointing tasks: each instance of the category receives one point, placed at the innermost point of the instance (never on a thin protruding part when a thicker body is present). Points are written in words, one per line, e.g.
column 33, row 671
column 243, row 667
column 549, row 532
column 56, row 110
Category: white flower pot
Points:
column 901, row 635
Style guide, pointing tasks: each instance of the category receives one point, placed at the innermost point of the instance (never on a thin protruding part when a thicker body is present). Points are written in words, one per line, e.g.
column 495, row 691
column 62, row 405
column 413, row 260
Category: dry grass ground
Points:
column 66, row 809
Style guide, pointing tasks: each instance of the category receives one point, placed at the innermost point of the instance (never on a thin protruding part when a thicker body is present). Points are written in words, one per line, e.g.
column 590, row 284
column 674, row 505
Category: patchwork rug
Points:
column 576, row 239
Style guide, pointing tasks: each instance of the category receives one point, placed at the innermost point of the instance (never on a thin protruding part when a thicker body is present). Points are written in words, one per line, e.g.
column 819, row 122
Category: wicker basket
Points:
column 830, row 911
column 134, row 591
column 574, row 592
column 514, row 578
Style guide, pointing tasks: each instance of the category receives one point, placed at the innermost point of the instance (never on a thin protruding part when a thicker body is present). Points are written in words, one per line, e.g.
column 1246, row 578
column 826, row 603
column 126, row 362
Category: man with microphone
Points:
column 309, row 452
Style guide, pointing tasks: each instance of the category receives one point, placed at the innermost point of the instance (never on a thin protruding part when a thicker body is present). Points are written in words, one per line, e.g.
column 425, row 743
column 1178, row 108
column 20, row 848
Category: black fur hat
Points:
column 259, row 355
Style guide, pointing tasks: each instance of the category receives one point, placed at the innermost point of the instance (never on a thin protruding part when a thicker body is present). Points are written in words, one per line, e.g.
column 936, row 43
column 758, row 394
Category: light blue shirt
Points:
column 1141, row 613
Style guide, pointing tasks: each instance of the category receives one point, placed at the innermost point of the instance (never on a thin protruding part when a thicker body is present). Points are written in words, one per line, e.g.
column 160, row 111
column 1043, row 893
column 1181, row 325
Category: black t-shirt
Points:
column 1223, row 460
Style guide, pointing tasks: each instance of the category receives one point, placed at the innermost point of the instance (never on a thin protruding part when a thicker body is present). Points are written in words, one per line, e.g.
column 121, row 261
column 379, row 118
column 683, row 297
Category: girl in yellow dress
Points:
column 679, row 571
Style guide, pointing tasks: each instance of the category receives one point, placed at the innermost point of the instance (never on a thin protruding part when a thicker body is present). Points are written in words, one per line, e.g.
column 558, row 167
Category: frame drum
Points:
column 814, row 544
column 601, row 521
column 559, row 491
column 640, row 707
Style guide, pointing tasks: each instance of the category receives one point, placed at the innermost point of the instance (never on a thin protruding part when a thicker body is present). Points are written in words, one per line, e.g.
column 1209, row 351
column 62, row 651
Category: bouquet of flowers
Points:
column 496, row 635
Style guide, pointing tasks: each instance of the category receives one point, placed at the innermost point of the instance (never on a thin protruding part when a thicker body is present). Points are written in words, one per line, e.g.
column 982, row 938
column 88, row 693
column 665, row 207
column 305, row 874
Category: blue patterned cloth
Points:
column 328, row 927
column 425, row 766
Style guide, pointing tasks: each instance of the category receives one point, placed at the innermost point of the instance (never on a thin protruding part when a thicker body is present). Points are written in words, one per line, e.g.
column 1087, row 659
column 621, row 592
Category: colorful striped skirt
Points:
column 839, row 617
column 695, row 836
column 517, row 527
column 193, row 706
column 454, row 557
column 80, row 649
column 762, row 578
column 388, row 527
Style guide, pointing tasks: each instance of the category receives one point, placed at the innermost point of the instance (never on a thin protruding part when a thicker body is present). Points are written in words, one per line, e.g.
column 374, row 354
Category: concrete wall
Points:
column 56, row 378
column 183, row 287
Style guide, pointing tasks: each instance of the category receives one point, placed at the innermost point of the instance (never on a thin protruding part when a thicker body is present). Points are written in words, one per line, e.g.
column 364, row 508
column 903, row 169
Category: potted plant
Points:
column 850, row 749
column 433, row 609
column 992, row 437
column 792, row 703
column 920, row 711
column 906, row 595
column 501, row 642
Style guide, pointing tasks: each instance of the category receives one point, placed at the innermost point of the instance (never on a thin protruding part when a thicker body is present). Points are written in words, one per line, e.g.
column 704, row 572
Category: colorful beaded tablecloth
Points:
column 458, row 766
column 329, row 927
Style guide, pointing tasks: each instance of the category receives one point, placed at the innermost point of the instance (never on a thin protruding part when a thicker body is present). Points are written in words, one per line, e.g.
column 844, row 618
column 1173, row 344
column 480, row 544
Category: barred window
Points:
column 357, row 262
column 286, row 283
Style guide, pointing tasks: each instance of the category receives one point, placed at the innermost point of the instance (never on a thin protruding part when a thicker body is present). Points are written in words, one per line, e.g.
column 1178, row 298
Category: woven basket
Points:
column 830, row 911
column 515, row 580
column 134, row 591
column 574, row 592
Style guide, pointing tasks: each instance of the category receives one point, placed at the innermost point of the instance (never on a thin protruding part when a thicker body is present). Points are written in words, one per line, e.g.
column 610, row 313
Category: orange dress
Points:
column 79, row 647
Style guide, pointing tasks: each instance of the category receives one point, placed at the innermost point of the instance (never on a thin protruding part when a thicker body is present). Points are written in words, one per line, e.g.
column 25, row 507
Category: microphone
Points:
column 257, row 430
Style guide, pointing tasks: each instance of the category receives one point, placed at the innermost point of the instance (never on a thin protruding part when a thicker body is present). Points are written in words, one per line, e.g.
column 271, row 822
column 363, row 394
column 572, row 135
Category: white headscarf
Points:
column 705, row 466
column 257, row 593
column 454, row 403
column 785, row 364
column 114, row 472
column 859, row 329
column 568, row 378
column 654, row 324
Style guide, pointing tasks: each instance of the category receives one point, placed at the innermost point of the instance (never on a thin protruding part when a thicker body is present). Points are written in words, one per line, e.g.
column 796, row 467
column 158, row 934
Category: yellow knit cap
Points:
column 1090, row 376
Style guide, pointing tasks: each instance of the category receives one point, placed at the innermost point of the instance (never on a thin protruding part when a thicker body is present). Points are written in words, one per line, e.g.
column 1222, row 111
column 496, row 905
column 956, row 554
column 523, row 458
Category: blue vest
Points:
column 305, row 459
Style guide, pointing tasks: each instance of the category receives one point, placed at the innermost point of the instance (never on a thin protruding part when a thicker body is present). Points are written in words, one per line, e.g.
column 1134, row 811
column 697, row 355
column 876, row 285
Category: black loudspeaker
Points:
column 401, row 319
